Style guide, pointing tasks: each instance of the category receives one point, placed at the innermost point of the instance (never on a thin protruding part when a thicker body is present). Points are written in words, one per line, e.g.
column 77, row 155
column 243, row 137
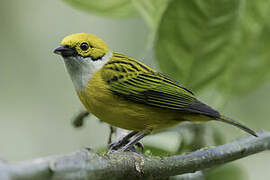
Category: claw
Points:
column 116, row 145
column 131, row 149
column 140, row 145
column 115, row 148
column 125, row 144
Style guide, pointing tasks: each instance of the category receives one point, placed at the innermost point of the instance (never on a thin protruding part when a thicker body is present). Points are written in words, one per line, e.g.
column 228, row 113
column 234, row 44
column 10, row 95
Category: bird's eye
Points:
column 84, row 46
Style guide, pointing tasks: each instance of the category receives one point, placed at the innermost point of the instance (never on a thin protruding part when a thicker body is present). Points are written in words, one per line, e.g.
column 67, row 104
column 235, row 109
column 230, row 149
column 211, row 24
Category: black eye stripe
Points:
column 84, row 46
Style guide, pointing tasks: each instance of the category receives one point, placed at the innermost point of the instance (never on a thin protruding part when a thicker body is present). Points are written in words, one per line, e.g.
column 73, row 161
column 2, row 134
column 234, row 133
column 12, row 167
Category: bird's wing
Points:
column 136, row 82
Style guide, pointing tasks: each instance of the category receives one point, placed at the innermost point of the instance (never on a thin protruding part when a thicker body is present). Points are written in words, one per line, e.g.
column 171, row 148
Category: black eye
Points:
column 84, row 46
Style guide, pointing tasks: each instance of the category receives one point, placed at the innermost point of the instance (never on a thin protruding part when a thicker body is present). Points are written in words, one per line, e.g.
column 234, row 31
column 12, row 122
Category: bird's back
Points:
column 134, row 81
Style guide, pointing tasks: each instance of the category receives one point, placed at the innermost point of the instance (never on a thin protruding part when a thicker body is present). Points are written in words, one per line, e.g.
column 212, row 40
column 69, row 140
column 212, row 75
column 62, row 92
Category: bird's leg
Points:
column 135, row 147
column 112, row 130
column 131, row 143
column 123, row 141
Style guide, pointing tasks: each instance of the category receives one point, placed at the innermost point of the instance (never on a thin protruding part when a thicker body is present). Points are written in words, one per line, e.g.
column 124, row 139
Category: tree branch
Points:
column 89, row 165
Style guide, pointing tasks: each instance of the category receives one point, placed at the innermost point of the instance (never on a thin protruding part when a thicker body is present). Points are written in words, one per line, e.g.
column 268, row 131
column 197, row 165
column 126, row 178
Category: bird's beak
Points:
column 65, row 51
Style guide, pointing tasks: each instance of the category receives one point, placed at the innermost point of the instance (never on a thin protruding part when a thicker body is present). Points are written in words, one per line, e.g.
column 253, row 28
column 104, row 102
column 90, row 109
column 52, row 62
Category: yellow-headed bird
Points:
column 126, row 93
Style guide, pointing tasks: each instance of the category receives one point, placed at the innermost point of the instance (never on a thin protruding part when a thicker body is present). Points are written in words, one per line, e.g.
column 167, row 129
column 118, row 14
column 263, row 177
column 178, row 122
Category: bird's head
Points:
column 83, row 55
column 82, row 45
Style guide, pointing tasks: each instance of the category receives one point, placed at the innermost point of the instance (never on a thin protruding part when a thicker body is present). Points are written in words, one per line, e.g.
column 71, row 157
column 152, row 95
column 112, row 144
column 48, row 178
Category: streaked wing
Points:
column 134, row 81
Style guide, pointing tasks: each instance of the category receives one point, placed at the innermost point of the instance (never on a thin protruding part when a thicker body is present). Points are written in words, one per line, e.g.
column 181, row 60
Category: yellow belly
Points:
column 127, row 114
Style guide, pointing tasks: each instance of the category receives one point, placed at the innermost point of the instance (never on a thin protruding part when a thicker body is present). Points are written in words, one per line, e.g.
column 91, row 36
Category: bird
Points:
column 128, row 94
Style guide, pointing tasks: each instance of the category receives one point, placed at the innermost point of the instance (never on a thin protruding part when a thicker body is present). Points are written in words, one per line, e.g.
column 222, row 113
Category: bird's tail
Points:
column 237, row 124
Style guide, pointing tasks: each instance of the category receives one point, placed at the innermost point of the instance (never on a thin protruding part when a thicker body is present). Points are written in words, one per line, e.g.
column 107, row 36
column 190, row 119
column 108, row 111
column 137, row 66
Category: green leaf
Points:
column 220, row 44
column 195, row 39
column 111, row 8
column 252, row 56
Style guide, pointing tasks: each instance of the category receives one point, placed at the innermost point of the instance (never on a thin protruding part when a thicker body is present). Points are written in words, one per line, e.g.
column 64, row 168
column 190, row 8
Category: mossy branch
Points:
column 90, row 165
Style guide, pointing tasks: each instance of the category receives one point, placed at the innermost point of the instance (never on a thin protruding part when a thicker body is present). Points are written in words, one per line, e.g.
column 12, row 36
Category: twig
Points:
column 78, row 120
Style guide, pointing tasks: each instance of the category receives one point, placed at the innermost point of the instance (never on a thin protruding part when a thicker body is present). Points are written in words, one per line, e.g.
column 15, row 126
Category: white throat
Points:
column 81, row 69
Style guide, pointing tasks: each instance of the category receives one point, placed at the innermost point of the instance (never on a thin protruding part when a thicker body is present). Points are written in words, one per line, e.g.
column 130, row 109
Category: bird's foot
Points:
column 140, row 145
column 127, row 144
column 118, row 147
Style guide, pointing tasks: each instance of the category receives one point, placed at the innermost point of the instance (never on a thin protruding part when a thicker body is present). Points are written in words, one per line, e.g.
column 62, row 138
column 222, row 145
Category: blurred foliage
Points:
column 203, row 43
column 111, row 8
column 151, row 11
column 250, row 60
column 195, row 39
column 228, row 171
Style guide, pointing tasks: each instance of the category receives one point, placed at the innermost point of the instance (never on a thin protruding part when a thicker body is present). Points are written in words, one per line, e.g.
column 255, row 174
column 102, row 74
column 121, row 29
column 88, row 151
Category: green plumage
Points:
column 136, row 82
